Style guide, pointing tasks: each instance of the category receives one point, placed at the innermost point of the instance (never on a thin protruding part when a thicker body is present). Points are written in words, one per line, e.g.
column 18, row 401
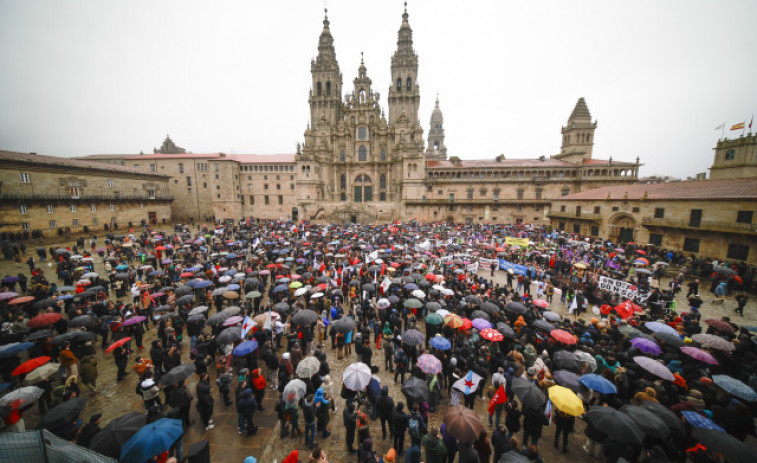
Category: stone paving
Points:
column 226, row 445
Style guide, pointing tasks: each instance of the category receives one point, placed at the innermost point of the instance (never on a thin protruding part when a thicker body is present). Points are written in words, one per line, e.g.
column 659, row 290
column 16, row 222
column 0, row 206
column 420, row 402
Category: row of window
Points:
column 362, row 155
column 23, row 209
column 266, row 168
column 74, row 222
column 26, row 178
column 539, row 174
column 266, row 200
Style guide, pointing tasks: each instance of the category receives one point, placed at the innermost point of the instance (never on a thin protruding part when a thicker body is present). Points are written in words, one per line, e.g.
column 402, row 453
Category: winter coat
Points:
column 385, row 404
column 204, row 399
column 88, row 369
column 246, row 405
column 436, row 452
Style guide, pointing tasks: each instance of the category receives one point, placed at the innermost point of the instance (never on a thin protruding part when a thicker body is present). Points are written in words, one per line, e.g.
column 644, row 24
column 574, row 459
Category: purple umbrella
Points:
column 699, row 354
column 167, row 261
column 654, row 367
column 10, row 279
column 481, row 324
column 646, row 346
column 133, row 320
column 231, row 321
column 658, row 327
column 4, row 296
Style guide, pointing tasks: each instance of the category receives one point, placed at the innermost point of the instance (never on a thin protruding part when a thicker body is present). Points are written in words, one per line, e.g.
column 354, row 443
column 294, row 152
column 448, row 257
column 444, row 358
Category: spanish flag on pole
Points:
column 739, row 126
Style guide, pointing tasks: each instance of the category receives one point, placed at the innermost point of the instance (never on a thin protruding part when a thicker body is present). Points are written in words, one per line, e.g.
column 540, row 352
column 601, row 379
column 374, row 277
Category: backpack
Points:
column 414, row 427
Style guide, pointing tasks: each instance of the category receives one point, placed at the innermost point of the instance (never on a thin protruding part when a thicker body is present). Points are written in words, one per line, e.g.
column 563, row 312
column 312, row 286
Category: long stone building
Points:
column 55, row 196
column 362, row 163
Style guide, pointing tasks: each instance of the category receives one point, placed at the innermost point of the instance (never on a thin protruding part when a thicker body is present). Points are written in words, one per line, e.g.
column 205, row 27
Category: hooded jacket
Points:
column 366, row 454
column 246, row 405
column 436, row 452
column 385, row 404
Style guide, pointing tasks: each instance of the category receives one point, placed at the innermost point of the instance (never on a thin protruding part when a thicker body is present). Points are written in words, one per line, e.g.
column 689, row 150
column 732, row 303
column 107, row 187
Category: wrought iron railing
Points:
column 707, row 225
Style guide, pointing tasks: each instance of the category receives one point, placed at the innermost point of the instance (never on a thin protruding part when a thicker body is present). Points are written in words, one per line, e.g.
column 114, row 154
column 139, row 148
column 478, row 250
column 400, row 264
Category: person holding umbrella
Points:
column 205, row 401
column 182, row 399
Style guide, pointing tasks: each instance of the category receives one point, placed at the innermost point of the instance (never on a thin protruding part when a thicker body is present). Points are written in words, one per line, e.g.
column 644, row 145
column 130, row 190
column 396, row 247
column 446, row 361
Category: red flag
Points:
column 322, row 267
column 500, row 397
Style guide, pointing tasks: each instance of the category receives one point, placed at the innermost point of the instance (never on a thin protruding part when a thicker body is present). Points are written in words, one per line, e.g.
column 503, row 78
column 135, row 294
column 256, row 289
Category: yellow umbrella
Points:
column 566, row 400
column 453, row 321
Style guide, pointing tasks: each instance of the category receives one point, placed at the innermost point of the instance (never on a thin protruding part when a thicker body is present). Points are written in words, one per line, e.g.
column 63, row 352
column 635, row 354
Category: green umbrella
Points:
column 434, row 319
column 413, row 303
column 252, row 295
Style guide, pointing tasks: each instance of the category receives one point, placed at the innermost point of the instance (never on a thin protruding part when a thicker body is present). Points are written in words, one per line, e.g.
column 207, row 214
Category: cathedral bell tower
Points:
column 578, row 135
column 436, row 151
column 325, row 93
column 404, row 94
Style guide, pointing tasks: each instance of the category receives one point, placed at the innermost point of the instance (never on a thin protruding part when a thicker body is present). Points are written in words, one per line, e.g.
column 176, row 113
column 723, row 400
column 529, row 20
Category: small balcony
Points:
column 704, row 225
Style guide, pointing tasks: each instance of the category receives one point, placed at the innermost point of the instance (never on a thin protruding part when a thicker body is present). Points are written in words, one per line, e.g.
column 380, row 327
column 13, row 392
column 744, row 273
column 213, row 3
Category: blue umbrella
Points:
column 700, row 422
column 156, row 273
column 9, row 350
column 233, row 287
column 245, row 348
column 735, row 387
column 411, row 287
column 193, row 269
column 203, row 284
column 65, row 296
column 280, row 288
column 440, row 343
column 598, row 383
column 231, row 256
column 230, row 273
column 122, row 267
column 153, row 439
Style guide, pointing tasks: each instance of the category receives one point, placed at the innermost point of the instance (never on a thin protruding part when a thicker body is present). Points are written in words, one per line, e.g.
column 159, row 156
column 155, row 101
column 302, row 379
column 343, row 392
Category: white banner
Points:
column 624, row 289
column 486, row 264
column 472, row 267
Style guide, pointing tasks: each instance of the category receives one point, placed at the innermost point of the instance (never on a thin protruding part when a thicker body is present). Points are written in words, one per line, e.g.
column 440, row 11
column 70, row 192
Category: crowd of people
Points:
column 269, row 309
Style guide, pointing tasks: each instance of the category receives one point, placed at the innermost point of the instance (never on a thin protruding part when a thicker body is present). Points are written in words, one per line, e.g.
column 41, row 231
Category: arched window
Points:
column 342, row 156
column 361, row 96
column 409, row 84
column 319, row 91
column 362, row 154
column 328, row 88
column 382, row 182
column 343, row 182
column 399, row 84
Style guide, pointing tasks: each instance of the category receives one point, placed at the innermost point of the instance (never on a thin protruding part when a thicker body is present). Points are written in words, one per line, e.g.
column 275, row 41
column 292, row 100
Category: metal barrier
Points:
column 44, row 447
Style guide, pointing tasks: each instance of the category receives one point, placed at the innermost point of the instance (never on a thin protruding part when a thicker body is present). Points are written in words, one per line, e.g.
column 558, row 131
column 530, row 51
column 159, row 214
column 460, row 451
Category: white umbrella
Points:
column 316, row 295
column 301, row 291
column 90, row 275
column 443, row 312
column 418, row 293
column 224, row 279
column 356, row 376
column 295, row 390
column 383, row 303
column 439, row 288
column 447, row 292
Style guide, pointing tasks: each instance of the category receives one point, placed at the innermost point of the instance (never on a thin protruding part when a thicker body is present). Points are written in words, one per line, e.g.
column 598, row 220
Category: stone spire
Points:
column 404, row 94
column 169, row 147
column 326, row 52
column 326, row 92
column 578, row 135
column 436, row 149
column 405, row 37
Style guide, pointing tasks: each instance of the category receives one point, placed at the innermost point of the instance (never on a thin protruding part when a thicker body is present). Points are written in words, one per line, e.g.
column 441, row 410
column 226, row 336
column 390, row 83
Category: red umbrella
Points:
column 541, row 303
column 186, row 275
column 430, row 277
column 21, row 300
column 44, row 319
column 720, row 325
column 160, row 248
column 118, row 343
column 467, row 324
column 605, row 309
column 563, row 336
column 30, row 365
column 642, row 252
column 491, row 335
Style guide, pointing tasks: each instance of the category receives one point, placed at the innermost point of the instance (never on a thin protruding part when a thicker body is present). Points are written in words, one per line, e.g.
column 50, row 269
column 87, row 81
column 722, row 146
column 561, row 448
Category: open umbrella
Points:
column 441, row 343
column 563, row 359
column 356, row 376
column 115, row 434
column 116, row 344
column 415, row 390
column 245, row 348
column 516, row 307
column 699, row 354
column 30, row 365
column 178, row 374
column 735, row 387
column 413, row 337
column 543, row 325
column 513, row 456
column 434, row 319
column 229, row 335
column 491, row 335
column 670, row 339
column 714, row 342
column 650, row 423
column 153, row 439
column 566, row 400
column 198, row 310
column 659, row 327
column 646, row 346
column 412, row 303
column 529, row 393
column 44, row 319
column 87, row 321
column 21, row 397
column 14, row 348
column 63, row 413
column 598, row 383
column 41, row 334
column 305, row 317
column 481, row 323
column 672, row 420
column 562, row 336
column 42, row 373
column 506, row 330
column 615, row 424
column 295, row 390
column 308, row 367
column 568, row 379
column 732, row 448
column 344, row 325
column 429, row 364
column 462, row 424
column 654, row 367
column 133, row 320
column 720, row 325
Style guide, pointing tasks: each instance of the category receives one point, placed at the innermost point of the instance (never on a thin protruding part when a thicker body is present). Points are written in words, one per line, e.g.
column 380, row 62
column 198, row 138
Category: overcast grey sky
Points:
column 91, row 76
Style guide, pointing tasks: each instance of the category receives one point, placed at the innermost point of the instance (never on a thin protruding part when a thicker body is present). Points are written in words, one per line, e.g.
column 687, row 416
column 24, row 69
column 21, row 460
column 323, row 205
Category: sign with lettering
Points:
column 624, row 289
column 516, row 268
column 511, row 241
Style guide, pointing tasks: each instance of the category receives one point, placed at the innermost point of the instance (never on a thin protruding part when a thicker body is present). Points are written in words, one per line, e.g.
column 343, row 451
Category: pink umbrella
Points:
column 541, row 303
column 429, row 364
column 699, row 354
column 231, row 321
column 133, row 320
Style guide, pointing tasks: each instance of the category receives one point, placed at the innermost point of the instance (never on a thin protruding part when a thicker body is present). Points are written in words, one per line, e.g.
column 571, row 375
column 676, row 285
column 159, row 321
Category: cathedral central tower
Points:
column 404, row 94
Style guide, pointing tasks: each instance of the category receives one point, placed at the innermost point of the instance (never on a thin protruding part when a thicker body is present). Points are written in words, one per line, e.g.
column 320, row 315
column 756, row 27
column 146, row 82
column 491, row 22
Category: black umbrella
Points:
column 566, row 360
column 394, row 299
column 122, row 276
column 665, row 414
column 344, row 325
column 369, row 287
column 529, row 393
column 196, row 318
column 63, row 414
column 729, row 446
column 480, row 314
column 516, row 307
column 216, row 319
column 229, row 335
column 177, row 374
column 75, row 336
column 650, row 423
column 568, row 379
column 489, row 307
column 615, row 424
column 506, row 330
column 669, row 339
column 513, row 456
column 183, row 291
column 413, row 337
column 45, row 303
column 416, row 390
column 85, row 294
column 471, row 299
column 109, row 441
column 304, row 317
column 282, row 307
column 87, row 321
column 543, row 325
column 188, row 298
column 41, row 334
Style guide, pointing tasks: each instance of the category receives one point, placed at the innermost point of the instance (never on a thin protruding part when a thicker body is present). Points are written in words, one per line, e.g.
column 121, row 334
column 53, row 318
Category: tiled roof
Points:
column 693, row 190
column 514, row 163
column 55, row 161
column 244, row 158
